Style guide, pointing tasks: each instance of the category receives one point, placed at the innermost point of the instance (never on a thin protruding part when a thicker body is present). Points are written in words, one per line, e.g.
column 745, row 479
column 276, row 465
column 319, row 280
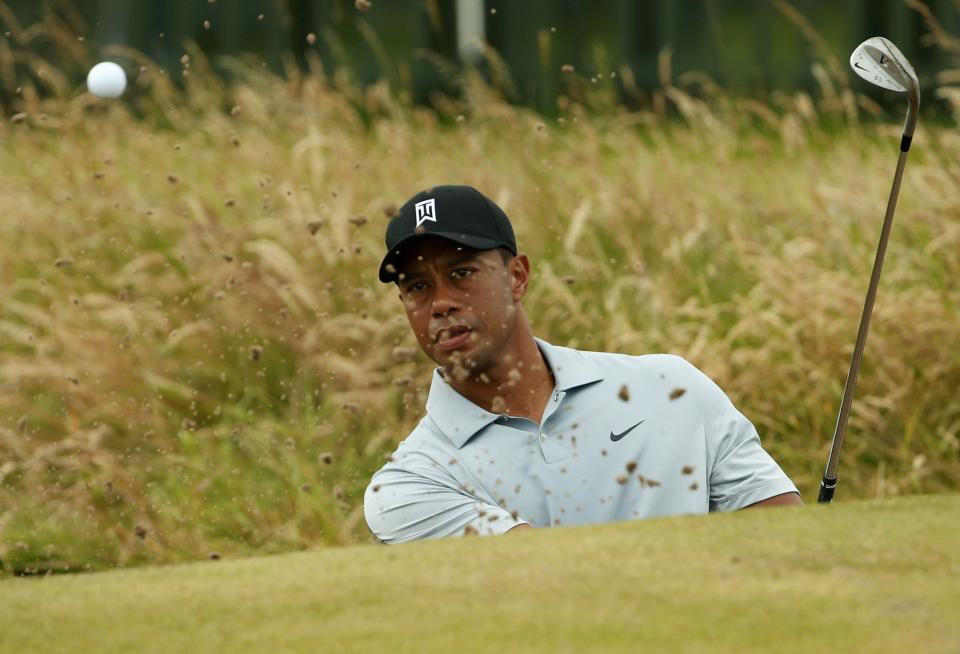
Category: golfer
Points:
column 522, row 433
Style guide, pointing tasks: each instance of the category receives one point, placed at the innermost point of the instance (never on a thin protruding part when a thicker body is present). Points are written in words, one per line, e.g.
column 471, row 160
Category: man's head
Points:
column 461, row 214
column 452, row 253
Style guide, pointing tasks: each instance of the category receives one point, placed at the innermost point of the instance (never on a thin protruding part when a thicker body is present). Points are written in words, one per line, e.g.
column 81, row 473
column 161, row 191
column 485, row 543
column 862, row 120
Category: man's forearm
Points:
column 786, row 499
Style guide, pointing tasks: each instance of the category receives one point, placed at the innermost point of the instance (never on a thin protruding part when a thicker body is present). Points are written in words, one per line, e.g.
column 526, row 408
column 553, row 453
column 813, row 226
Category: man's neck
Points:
column 519, row 385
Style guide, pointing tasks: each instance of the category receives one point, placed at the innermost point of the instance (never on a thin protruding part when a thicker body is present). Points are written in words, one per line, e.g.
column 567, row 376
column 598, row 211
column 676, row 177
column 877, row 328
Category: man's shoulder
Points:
column 424, row 442
column 659, row 362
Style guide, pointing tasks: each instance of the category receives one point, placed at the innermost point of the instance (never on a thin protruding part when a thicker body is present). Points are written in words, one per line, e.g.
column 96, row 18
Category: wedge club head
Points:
column 881, row 63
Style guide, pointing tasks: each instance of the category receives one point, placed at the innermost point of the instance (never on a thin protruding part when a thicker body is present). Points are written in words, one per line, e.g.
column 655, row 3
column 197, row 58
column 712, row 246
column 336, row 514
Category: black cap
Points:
column 461, row 214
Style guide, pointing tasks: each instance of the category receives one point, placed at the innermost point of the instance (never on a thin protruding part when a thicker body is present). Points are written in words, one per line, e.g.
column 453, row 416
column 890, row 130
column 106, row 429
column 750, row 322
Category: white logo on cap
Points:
column 426, row 210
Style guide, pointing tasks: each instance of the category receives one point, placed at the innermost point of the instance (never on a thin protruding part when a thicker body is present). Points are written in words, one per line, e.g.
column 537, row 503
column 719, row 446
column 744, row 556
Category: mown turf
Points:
column 874, row 576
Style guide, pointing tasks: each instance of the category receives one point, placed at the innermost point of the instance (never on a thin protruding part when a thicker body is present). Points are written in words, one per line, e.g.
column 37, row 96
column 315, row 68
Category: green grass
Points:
column 872, row 576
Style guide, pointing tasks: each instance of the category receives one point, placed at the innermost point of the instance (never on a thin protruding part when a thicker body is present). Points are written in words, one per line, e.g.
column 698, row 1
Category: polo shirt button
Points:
column 543, row 434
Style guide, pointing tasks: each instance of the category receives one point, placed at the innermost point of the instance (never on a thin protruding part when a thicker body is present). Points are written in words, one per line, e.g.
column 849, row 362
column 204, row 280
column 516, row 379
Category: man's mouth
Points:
column 451, row 338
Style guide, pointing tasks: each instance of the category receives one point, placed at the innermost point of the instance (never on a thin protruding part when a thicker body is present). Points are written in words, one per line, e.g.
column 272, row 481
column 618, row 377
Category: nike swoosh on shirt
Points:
column 616, row 437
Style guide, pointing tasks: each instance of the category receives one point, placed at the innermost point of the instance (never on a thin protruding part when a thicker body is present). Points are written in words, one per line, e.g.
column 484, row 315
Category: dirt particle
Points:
column 375, row 488
column 603, row 452
column 314, row 226
column 403, row 352
column 624, row 393
column 327, row 457
column 469, row 530
column 256, row 352
column 694, row 486
column 622, row 479
column 677, row 392
column 631, row 466
column 140, row 531
column 215, row 556
column 687, row 470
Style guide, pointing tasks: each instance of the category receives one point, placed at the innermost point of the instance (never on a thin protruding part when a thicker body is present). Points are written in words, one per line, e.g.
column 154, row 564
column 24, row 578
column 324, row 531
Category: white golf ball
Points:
column 107, row 80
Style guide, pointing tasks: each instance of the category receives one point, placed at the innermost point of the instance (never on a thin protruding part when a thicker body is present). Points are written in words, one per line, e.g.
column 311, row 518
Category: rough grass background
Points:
column 196, row 357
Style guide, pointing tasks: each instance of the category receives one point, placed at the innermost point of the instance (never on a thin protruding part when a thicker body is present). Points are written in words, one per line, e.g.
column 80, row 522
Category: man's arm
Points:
column 786, row 499
column 409, row 500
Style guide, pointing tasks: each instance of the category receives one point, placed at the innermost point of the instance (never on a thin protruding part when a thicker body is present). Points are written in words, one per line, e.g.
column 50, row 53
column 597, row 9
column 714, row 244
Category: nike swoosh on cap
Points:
column 616, row 437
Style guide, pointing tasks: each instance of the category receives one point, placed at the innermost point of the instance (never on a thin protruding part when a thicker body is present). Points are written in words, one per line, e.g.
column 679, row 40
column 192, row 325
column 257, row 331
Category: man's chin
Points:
column 458, row 365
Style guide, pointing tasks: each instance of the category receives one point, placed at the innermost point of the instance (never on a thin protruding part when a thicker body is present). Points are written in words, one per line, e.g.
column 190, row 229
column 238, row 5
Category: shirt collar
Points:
column 459, row 418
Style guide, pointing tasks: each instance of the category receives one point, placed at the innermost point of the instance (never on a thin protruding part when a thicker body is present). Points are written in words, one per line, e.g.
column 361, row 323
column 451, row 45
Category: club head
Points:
column 881, row 63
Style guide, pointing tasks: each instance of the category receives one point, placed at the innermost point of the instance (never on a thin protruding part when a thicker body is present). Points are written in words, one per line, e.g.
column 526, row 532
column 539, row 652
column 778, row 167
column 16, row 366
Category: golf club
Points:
column 880, row 62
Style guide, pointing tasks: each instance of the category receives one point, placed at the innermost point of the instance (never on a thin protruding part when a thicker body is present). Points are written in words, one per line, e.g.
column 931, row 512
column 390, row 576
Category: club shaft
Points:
column 829, row 482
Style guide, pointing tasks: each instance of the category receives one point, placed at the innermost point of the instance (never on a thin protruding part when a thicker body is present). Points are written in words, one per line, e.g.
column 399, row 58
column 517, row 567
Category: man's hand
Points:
column 787, row 499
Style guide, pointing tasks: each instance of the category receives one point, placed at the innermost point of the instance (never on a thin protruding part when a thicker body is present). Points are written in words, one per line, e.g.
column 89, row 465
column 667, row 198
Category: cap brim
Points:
column 471, row 241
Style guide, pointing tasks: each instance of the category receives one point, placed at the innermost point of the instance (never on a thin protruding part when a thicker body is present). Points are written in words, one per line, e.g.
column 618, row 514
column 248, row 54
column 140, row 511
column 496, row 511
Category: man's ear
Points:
column 519, row 275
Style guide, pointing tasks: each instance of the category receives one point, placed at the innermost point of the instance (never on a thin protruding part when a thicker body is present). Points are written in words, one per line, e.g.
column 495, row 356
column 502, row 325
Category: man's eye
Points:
column 414, row 287
column 457, row 272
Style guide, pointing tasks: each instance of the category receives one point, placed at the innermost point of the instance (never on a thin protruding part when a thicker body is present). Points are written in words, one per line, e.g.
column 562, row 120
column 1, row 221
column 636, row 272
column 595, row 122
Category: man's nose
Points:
column 444, row 300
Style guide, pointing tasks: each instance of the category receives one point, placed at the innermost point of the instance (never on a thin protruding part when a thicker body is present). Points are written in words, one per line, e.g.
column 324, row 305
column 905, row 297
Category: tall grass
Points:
column 196, row 357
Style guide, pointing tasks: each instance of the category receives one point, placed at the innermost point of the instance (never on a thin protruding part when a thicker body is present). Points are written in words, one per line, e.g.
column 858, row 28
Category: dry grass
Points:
column 190, row 317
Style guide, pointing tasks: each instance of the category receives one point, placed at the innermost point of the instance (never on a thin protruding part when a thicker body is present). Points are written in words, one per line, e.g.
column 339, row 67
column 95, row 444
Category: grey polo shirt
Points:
column 622, row 437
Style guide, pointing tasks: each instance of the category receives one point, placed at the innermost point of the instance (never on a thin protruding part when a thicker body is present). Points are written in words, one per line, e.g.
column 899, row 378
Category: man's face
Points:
column 460, row 302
